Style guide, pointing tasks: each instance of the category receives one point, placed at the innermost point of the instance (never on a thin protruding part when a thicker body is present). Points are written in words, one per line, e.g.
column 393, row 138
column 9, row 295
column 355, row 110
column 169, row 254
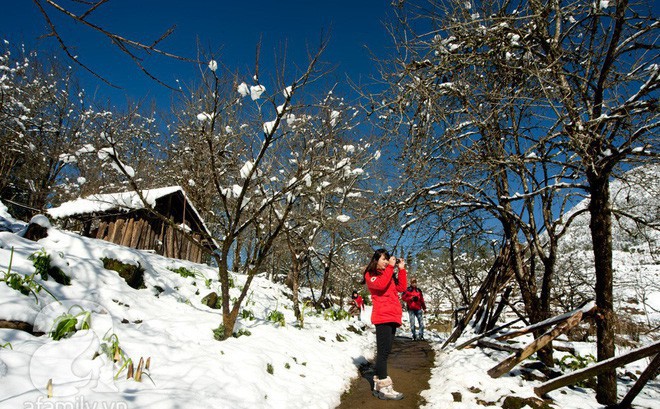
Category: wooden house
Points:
column 122, row 218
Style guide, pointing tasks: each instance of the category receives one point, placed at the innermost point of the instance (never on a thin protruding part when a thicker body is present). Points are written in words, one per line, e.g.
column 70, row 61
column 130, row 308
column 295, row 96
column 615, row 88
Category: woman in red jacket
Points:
column 385, row 287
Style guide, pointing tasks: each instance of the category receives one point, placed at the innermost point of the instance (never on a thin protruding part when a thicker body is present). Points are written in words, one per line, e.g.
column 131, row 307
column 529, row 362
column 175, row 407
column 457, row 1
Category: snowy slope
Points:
column 636, row 248
column 311, row 367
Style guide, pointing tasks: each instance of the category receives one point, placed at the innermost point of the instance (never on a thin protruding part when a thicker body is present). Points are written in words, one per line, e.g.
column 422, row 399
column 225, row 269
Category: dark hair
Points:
column 373, row 264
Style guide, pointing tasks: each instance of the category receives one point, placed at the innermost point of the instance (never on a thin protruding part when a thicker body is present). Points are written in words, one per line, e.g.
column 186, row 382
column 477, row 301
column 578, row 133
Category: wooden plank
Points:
column 502, row 346
column 103, row 227
column 149, row 241
column 169, row 242
column 487, row 334
column 481, row 293
column 606, row 365
column 585, row 309
column 513, row 360
column 128, row 231
column 186, row 247
column 135, row 235
column 196, row 251
column 649, row 373
column 492, row 320
column 108, row 233
column 150, row 233
column 119, row 230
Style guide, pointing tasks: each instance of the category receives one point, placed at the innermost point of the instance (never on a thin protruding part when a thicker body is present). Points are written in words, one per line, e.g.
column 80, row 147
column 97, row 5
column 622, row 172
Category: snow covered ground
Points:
column 274, row 367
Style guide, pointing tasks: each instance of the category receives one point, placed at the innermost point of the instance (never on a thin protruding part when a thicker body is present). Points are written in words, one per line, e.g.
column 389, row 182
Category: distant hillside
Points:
column 635, row 239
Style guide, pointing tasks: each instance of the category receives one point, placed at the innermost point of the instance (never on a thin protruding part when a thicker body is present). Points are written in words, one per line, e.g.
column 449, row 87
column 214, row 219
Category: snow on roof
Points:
column 111, row 201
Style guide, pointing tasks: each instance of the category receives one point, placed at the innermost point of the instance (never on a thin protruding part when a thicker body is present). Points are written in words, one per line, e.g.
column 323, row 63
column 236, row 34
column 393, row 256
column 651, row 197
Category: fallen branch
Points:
column 501, row 346
column 649, row 373
column 487, row 334
column 598, row 368
column 585, row 309
column 506, row 365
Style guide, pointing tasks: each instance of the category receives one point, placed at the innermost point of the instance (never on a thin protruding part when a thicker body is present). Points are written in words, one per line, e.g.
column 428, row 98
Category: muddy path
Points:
column 409, row 366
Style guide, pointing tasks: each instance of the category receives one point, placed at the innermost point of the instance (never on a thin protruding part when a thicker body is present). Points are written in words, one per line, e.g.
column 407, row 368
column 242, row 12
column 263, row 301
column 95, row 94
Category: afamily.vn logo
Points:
column 78, row 403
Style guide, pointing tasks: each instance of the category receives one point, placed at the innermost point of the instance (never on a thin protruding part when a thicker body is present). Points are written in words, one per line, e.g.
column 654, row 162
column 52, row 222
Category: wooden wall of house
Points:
column 141, row 230
column 138, row 230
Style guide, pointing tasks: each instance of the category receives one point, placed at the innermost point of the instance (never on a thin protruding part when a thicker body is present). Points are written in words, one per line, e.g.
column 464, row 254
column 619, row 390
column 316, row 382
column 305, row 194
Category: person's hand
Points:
column 392, row 260
column 401, row 263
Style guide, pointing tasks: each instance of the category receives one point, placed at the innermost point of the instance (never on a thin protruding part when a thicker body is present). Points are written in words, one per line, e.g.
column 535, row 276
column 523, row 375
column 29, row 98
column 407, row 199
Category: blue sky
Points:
column 230, row 30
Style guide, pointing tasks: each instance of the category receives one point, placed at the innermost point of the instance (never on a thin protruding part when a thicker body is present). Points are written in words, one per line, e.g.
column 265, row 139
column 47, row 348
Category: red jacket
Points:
column 385, row 295
column 413, row 303
column 359, row 302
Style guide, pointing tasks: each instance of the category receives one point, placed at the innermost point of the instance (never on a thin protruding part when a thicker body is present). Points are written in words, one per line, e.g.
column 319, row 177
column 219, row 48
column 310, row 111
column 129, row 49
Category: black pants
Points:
column 384, row 339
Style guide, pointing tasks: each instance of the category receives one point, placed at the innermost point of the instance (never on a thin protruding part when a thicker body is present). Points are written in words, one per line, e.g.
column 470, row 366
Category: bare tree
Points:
column 41, row 122
column 334, row 165
column 473, row 146
column 256, row 177
column 500, row 86
column 82, row 12
column 598, row 67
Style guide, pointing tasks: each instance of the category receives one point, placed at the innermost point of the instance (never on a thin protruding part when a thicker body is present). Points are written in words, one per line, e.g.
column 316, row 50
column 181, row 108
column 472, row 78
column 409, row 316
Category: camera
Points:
column 398, row 260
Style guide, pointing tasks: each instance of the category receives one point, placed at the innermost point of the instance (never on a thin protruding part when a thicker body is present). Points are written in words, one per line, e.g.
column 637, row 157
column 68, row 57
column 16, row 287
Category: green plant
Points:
column 287, row 365
column 219, row 333
column 41, row 262
column 247, row 314
column 26, row 285
column 241, row 332
column 276, row 317
column 269, row 368
column 67, row 324
column 185, row 273
column 336, row 314
column 111, row 348
column 6, row 345
column 576, row 362
column 23, row 284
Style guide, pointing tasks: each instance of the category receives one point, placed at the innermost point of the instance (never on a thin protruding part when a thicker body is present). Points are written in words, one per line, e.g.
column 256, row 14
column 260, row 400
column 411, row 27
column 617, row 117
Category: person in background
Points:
column 357, row 305
column 384, row 288
column 415, row 304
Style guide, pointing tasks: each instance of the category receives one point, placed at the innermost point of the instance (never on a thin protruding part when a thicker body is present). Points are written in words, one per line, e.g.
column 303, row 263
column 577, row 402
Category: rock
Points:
column 37, row 229
column 516, row 402
column 133, row 275
column 457, row 396
column 211, row 300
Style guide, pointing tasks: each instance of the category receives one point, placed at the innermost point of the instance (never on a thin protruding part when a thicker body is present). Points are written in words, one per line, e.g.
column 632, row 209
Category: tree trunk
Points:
column 324, row 286
column 454, row 274
column 294, row 276
column 223, row 276
column 601, row 236
column 545, row 354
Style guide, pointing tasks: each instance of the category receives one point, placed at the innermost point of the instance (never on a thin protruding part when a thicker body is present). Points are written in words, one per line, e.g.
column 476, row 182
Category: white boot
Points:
column 383, row 389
